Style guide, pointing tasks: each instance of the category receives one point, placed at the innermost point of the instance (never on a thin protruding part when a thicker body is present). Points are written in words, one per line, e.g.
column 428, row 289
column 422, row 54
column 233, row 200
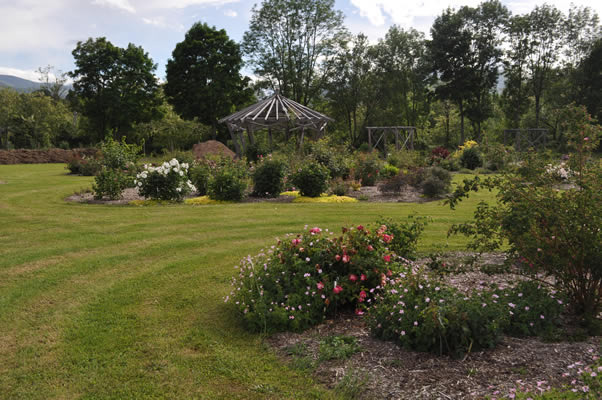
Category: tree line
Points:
column 447, row 85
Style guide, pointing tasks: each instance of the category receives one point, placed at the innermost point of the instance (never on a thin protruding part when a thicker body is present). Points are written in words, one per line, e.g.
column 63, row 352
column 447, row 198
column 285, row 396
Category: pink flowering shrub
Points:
column 306, row 277
column 548, row 231
column 422, row 313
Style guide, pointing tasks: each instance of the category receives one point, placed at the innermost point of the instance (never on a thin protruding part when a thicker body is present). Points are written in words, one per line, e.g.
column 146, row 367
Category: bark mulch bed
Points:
column 386, row 371
column 29, row 156
column 366, row 193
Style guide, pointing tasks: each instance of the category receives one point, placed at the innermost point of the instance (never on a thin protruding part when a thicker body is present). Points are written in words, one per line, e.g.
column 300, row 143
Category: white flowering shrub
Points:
column 168, row 181
column 560, row 172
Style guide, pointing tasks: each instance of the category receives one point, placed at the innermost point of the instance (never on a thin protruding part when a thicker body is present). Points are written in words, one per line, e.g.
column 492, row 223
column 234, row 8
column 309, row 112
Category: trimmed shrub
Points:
column 228, row 181
column 268, row 178
column 166, row 182
column 436, row 183
column 311, row 179
column 311, row 275
column 471, row 158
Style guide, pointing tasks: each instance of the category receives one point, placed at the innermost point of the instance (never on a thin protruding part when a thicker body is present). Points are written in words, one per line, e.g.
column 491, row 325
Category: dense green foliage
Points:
column 422, row 313
column 552, row 231
column 268, row 178
column 311, row 179
column 113, row 87
column 311, row 275
column 203, row 76
column 169, row 181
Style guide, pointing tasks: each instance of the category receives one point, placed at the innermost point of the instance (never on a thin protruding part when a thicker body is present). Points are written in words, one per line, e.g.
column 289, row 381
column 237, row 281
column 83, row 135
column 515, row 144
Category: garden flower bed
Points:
column 384, row 370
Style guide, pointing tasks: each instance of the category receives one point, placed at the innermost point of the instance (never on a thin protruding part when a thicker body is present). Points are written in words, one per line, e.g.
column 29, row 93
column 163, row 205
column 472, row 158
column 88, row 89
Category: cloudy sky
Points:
column 36, row 33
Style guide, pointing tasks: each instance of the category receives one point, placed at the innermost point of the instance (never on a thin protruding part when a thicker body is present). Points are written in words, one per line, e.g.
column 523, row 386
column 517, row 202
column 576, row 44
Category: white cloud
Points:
column 20, row 73
column 230, row 13
column 118, row 4
column 404, row 12
column 163, row 4
column 158, row 22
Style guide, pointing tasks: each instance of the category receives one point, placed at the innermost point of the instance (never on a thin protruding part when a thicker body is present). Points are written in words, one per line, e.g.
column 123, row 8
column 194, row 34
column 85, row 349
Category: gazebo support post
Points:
column 251, row 136
column 370, row 137
column 235, row 142
column 270, row 138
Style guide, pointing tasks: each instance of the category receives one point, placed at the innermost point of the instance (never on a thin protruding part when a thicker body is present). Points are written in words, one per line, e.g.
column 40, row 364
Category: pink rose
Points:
column 337, row 289
column 387, row 238
column 362, row 277
column 337, row 257
column 353, row 277
column 387, row 258
column 346, row 258
column 320, row 285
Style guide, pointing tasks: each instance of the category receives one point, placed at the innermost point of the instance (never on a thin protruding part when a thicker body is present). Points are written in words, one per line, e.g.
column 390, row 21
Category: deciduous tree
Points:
column 203, row 76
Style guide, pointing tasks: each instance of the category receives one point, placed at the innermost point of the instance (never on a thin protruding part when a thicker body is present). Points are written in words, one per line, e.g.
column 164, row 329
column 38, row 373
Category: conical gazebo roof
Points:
column 276, row 111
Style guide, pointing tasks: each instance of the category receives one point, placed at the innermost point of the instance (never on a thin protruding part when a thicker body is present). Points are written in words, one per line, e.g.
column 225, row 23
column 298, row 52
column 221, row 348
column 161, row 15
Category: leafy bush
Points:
column 497, row 156
column 471, row 158
column 268, row 178
column 86, row 166
column 118, row 155
column 405, row 159
column 228, row 181
column 548, row 231
column 308, row 276
column 109, row 183
column 367, row 168
column 332, row 157
column 339, row 188
column 405, row 235
column 438, row 154
column 422, row 314
column 311, row 179
column 436, row 183
column 533, row 309
column 200, row 174
column 389, row 171
column 449, row 164
column 166, row 182
column 256, row 151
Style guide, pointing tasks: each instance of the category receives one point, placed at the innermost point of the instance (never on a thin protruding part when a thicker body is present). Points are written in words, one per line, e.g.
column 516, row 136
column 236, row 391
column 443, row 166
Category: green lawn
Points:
column 127, row 302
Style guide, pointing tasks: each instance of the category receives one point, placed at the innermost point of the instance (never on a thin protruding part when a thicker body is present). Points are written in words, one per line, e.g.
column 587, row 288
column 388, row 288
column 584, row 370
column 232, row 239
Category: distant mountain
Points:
column 19, row 84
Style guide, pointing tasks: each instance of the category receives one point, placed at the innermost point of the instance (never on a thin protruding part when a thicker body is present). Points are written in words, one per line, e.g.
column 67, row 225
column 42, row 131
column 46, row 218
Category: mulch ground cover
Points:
column 383, row 370
column 28, row 156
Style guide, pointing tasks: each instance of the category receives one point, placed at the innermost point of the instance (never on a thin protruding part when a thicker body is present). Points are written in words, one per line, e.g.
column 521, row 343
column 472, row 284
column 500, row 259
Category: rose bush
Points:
column 305, row 277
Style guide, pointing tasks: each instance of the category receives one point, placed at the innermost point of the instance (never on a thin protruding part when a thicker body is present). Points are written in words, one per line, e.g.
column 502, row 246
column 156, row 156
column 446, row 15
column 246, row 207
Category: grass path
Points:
column 126, row 302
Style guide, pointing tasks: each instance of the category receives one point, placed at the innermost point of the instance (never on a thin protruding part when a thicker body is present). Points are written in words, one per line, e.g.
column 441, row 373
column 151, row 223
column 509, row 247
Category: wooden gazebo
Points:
column 276, row 112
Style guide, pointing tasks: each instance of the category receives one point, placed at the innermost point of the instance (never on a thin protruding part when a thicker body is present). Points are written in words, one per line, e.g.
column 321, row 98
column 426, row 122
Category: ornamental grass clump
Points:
column 169, row 181
column 306, row 277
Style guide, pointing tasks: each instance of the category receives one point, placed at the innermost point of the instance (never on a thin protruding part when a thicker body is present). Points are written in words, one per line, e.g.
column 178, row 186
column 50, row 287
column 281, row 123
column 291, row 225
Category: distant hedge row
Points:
column 27, row 156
